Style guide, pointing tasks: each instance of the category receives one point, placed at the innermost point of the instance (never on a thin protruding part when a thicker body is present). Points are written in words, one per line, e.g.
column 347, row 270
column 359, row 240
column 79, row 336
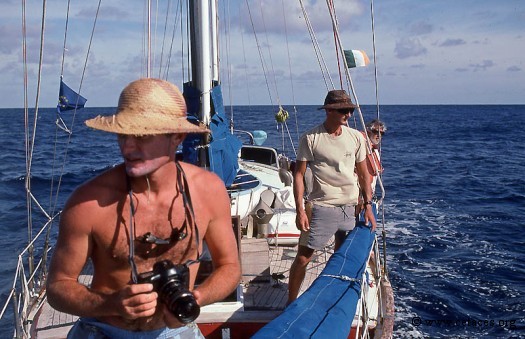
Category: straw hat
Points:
column 147, row 107
column 338, row 99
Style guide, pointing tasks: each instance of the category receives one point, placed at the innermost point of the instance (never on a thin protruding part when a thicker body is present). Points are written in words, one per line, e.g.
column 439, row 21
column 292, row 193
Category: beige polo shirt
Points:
column 332, row 160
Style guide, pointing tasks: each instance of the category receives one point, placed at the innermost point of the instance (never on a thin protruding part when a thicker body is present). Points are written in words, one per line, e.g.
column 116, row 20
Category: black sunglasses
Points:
column 345, row 111
column 377, row 132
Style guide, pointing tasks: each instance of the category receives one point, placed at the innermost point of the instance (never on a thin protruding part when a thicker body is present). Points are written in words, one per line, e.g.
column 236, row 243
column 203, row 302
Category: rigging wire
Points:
column 175, row 20
column 375, row 55
column 329, row 84
column 346, row 70
column 245, row 68
column 143, row 51
column 227, row 35
column 55, row 146
column 64, row 49
column 376, row 82
column 274, row 83
column 281, row 113
column 291, row 81
column 335, row 24
column 154, row 49
column 261, row 57
column 379, row 174
column 168, row 5
column 64, row 160
column 188, row 49
column 148, row 39
column 26, row 138
column 31, row 141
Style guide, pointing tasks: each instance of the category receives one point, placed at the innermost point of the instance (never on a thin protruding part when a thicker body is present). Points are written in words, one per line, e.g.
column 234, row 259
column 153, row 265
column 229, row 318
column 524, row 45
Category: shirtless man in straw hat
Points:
column 140, row 213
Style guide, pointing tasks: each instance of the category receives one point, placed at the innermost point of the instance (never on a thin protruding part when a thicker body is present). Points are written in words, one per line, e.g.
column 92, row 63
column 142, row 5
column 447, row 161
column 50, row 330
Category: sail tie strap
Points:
column 347, row 278
column 341, row 277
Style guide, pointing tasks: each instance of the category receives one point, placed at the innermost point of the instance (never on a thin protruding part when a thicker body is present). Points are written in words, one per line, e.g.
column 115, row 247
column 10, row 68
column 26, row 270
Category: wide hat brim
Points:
column 147, row 107
column 144, row 125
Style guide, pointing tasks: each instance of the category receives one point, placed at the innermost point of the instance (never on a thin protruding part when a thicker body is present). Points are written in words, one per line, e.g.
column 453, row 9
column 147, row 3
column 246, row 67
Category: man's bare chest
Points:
column 153, row 231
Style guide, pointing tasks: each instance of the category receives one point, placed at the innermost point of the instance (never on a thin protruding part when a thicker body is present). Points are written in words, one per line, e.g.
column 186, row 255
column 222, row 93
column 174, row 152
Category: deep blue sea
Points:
column 455, row 206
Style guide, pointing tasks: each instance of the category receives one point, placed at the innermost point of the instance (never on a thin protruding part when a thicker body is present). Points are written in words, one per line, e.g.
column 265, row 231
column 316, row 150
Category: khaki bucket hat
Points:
column 146, row 107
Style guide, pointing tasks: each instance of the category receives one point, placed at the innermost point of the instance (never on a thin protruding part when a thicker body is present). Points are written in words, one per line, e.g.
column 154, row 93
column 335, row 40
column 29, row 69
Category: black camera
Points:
column 171, row 282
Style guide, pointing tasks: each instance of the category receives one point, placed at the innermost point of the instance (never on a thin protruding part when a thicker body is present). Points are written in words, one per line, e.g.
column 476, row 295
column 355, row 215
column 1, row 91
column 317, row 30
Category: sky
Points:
column 427, row 52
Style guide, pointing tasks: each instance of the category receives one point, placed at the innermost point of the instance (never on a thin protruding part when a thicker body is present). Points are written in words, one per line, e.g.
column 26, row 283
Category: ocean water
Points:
column 455, row 202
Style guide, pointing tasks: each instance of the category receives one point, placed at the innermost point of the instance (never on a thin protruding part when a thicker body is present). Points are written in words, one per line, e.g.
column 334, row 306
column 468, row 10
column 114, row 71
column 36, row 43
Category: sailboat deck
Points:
column 52, row 323
column 264, row 286
column 270, row 292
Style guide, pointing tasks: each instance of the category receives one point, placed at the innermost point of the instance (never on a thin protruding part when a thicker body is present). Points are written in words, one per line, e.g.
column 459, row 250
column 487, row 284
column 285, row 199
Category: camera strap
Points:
column 183, row 184
column 134, row 273
column 189, row 216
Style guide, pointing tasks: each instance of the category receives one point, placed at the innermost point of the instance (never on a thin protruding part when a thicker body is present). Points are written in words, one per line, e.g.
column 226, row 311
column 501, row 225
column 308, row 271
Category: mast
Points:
column 201, row 54
column 214, row 41
column 203, row 44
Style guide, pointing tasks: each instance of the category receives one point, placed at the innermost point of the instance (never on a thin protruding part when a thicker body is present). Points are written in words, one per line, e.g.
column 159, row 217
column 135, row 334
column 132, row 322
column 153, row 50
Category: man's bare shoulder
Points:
column 200, row 177
column 102, row 189
column 206, row 189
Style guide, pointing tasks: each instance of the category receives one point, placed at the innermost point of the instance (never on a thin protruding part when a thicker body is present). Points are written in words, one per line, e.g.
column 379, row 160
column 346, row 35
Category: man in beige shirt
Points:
column 335, row 153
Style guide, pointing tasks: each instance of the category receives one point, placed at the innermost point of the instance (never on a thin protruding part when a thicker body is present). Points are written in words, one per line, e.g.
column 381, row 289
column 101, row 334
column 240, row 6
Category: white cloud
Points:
column 452, row 42
column 421, row 27
column 411, row 39
column 409, row 47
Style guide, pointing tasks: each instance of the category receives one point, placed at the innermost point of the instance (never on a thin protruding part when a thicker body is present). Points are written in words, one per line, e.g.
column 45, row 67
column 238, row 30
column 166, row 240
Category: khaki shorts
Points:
column 325, row 222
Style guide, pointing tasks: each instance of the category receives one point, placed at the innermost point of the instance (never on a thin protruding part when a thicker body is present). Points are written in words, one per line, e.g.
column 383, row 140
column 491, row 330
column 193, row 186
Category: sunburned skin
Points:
column 96, row 223
column 107, row 219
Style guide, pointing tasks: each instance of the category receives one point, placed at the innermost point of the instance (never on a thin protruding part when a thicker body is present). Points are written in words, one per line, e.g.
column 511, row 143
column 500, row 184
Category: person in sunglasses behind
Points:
column 375, row 130
column 332, row 151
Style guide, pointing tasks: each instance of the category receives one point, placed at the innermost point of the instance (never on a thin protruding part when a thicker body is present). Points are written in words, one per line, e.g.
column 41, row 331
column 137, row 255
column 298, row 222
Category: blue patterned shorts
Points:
column 91, row 328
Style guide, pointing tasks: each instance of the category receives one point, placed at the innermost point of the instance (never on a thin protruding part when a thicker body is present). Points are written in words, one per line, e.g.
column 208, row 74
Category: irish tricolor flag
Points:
column 356, row 58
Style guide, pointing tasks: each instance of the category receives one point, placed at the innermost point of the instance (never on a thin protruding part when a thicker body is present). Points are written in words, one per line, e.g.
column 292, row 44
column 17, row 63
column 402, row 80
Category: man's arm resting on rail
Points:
column 366, row 191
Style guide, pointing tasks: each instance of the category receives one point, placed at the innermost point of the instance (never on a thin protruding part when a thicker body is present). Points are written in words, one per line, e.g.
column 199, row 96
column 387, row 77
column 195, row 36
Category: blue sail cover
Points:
column 327, row 308
column 192, row 141
column 224, row 147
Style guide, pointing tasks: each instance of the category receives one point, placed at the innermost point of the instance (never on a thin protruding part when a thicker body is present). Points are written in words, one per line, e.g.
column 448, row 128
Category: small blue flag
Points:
column 69, row 99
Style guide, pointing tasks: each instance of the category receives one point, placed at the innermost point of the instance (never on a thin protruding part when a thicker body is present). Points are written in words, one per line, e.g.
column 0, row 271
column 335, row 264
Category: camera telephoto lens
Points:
column 185, row 308
column 171, row 282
